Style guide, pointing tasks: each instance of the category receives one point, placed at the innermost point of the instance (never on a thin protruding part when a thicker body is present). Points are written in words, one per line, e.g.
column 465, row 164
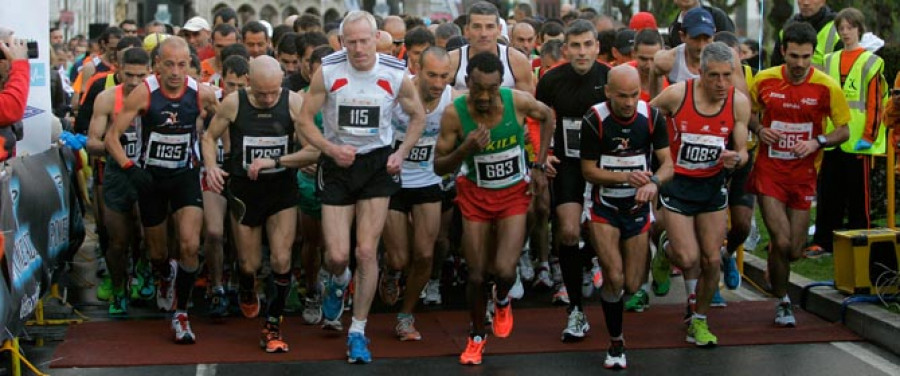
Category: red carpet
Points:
column 133, row 343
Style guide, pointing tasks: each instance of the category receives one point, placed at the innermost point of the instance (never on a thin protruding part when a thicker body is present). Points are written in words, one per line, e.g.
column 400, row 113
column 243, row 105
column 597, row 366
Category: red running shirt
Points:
column 697, row 140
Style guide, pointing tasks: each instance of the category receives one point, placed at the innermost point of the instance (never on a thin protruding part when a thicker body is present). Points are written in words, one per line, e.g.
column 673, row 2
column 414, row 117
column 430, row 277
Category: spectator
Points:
column 821, row 17
column 14, row 81
column 56, row 36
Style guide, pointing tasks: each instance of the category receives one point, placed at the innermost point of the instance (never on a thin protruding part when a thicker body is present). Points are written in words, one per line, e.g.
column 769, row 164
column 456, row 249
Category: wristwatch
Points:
column 277, row 160
column 822, row 140
column 539, row 166
column 655, row 180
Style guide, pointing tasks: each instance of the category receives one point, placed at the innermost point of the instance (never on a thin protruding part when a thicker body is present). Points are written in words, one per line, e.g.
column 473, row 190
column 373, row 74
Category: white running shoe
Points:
column 615, row 357
column 517, row 291
column 182, row 328
column 561, row 296
column 526, row 268
column 432, row 292
column 543, row 279
column 784, row 315
column 576, row 327
column 165, row 291
column 587, row 284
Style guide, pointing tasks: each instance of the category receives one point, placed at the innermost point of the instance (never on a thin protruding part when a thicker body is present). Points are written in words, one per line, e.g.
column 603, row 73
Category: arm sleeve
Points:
column 14, row 95
column 873, row 108
column 590, row 136
column 660, row 136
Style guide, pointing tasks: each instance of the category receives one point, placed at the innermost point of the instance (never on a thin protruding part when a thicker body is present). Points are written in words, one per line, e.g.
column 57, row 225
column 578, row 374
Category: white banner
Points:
column 32, row 22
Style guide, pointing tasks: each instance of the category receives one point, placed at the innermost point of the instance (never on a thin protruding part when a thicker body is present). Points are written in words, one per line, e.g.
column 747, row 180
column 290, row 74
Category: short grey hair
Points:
column 716, row 52
column 447, row 30
column 358, row 15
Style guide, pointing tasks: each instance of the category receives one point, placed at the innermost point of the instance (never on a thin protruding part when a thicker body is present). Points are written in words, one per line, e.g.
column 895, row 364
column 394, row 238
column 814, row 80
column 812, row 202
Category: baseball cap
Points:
column 196, row 24
column 624, row 41
column 641, row 21
column 698, row 21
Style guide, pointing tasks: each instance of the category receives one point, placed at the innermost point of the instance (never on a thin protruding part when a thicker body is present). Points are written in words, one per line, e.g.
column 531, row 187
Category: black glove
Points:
column 140, row 178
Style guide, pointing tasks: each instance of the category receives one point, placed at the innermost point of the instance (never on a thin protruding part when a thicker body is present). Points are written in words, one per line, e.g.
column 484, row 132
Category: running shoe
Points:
column 389, row 287
column 406, row 330
column 182, row 328
column 732, row 275
column 473, row 351
column 503, row 320
column 148, row 282
column 597, row 276
column 526, row 268
column 814, row 251
column 638, row 302
column 615, row 356
column 357, row 349
column 270, row 339
column 555, row 270
column 784, row 315
column 105, row 289
column 118, row 304
column 248, row 300
column 332, row 300
column 312, row 309
column 561, row 296
column 517, row 291
column 165, row 297
column 432, row 292
column 218, row 304
column 698, row 333
column 717, row 300
column 134, row 287
column 660, row 268
column 576, row 326
column 293, row 303
column 587, row 284
column 543, row 278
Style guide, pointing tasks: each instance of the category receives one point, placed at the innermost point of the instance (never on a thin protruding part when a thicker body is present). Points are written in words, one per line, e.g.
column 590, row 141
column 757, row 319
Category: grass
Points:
column 821, row 269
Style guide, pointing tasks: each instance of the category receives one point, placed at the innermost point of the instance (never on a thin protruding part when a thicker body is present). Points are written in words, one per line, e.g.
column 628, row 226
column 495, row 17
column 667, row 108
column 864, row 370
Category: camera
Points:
column 32, row 50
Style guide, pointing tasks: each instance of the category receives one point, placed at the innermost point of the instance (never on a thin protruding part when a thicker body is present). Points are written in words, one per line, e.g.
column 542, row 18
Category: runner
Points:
column 707, row 117
column 166, row 174
column 260, row 123
column 417, row 206
column 620, row 136
column 119, row 196
column 683, row 62
column 570, row 90
column 795, row 100
column 356, row 89
column 481, row 131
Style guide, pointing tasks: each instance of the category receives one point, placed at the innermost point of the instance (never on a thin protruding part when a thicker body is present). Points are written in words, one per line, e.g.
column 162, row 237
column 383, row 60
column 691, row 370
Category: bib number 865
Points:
column 790, row 140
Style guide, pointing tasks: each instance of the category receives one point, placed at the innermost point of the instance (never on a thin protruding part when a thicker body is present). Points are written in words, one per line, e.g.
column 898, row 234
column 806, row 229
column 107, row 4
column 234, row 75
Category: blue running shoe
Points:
column 332, row 300
column 731, row 273
column 358, row 349
column 718, row 300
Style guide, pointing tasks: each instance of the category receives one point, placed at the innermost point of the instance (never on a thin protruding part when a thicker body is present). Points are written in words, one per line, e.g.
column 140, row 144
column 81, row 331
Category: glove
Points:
column 73, row 141
column 140, row 178
column 862, row 145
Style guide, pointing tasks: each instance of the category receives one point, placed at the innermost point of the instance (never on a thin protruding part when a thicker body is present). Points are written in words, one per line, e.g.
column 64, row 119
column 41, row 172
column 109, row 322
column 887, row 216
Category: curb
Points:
column 872, row 323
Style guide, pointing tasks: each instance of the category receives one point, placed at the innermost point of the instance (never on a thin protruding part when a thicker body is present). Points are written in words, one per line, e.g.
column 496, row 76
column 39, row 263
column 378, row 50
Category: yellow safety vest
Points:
column 866, row 68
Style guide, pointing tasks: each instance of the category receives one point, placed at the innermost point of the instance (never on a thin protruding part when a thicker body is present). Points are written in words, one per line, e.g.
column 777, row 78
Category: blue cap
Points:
column 698, row 21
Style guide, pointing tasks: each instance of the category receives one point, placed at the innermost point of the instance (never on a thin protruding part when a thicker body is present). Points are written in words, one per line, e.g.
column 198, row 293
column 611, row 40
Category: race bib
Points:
column 168, row 150
column 359, row 115
column 130, row 145
column 264, row 147
column 793, row 133
column 421, row 156
column 572, row 137
column 699, row 151
column 621, row 164
column 499, row 170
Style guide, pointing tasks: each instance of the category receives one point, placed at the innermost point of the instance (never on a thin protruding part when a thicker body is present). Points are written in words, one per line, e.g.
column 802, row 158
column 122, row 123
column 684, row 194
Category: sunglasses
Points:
column 398, row 42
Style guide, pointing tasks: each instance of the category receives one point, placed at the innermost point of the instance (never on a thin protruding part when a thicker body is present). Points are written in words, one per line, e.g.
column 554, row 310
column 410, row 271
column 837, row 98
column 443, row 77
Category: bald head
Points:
column 623, row 89
column 174, row 45
column 385, row 43
column 265, row 69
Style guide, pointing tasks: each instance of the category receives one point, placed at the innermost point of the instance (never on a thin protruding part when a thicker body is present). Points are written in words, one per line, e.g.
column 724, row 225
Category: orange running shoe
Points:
column 474, row 349
column 271, row 340
column 503, row 320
